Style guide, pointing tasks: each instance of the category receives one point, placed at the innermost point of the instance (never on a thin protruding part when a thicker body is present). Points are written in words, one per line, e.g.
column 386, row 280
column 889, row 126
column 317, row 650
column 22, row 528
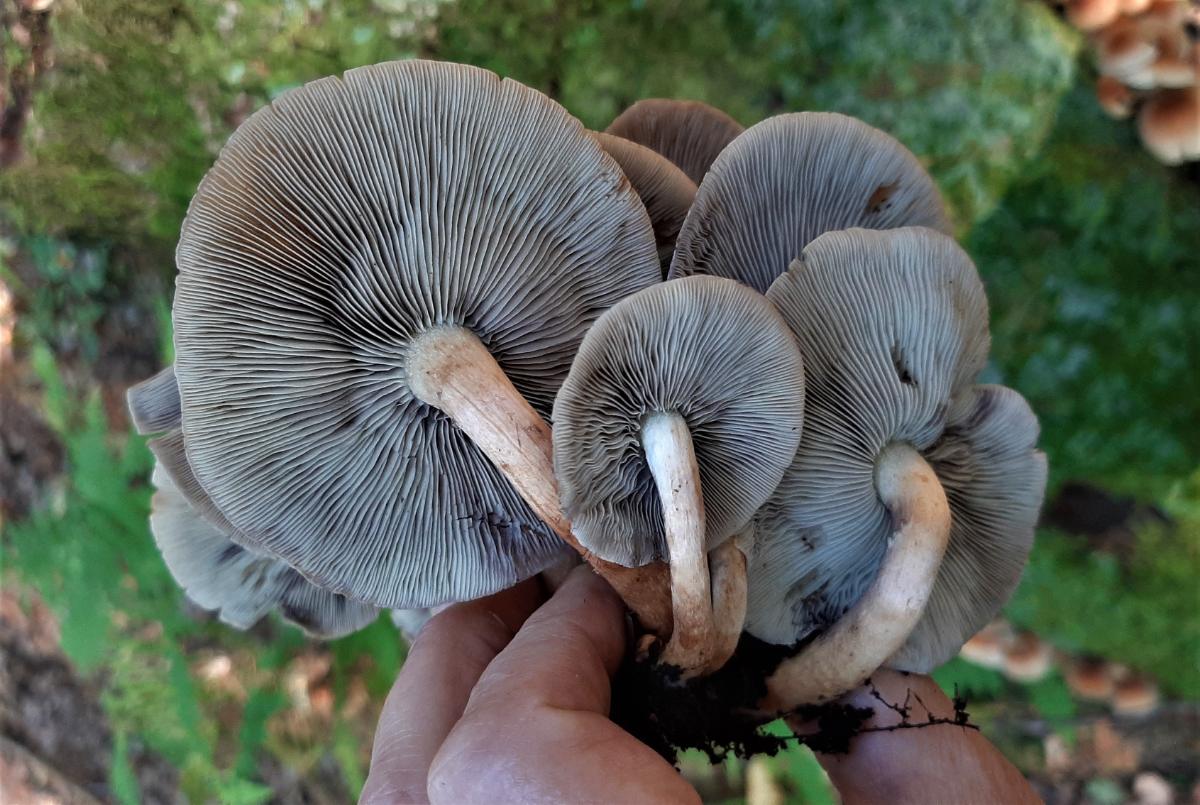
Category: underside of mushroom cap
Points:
column 666, row 190
column 994, row 476
column 236, row 581
column 789, row 179
column 689, row 133
column 239, row 585
column 893, row 326
column 340, row 223
column 709, row 349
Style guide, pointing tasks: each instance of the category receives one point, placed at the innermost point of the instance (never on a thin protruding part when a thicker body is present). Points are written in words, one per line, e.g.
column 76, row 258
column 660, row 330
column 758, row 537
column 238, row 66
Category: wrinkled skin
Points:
column 506, row 699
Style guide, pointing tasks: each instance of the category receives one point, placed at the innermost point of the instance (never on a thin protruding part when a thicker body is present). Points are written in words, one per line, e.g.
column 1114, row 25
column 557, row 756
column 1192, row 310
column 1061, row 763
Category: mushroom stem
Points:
column 728, row 565
column 450, row 369
column 877, row 626
column 672, row 460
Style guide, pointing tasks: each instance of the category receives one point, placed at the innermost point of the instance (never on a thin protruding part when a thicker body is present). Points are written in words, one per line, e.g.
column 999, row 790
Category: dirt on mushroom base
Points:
column 713, row 713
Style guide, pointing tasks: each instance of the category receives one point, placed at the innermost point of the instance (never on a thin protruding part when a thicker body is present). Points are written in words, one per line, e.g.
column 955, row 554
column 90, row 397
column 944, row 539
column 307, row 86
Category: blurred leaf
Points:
column 968, row 679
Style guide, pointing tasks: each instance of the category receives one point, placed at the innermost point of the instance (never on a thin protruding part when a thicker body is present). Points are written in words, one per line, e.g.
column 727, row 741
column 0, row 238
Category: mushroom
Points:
column 689, row 133
column 1123, row 51
column 666, row 190
column 905, row 519
column 1028, row 658
column 788, row 179
column 1114, row 97
column 1135, row 695
column 986, row 648
column 1090, row 679
column 1091, row 15
column 237, row 582
column 1131, row 7
column 1169, row 125
column 1174, row 66
column 382, row 282
column 659, row 456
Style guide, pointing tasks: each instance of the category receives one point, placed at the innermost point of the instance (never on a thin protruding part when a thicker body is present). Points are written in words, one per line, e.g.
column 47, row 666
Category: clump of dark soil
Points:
column 717, row 714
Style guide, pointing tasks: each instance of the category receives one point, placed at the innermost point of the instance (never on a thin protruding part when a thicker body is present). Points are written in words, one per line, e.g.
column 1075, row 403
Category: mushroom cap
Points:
column 240, row 585
column 791, row 178
column 340, row 223
column 666, row 190
column 1090, row 678
column 1090, row 15
column 713, row 351
column 1123, row 49
column 238, row 582
column 1028, row 658
column 1135, row 695
column 893, row 329
column 1114, row 98
column 987, row 646
column 689, row 133
column 1169, row 125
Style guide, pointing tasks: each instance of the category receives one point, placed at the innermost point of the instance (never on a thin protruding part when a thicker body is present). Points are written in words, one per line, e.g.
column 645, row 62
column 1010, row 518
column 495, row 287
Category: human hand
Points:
column 506, row 699
column 935, row 760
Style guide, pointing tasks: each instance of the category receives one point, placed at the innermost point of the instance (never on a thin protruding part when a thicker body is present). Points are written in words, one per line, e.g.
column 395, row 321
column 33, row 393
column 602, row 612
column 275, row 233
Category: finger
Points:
column 903, row 766
column 443, row 665
column 537, row 728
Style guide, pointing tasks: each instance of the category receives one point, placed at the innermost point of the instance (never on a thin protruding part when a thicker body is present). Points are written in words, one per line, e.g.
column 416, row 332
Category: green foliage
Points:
column 1090, row 264
column 973, row 96
column 93, row 561
column 143, row 94
column 798, row 770
column 968, row 679
column 1143, row 615
column 973, row 93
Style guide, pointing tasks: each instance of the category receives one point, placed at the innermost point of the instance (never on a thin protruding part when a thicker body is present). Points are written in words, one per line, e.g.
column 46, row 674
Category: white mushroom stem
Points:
column 450, row 369
column 865, row 637
column 728, row 565
column 672, row 461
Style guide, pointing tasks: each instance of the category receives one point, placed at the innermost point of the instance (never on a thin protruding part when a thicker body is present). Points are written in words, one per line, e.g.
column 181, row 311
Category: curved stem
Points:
column 450, row 369
column 875, row 627
column 728, row 565
column 672, row 460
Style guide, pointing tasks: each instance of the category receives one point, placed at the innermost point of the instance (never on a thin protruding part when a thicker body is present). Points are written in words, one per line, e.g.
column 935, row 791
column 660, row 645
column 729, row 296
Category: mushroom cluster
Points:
column 1148, row 56
column 392, row 282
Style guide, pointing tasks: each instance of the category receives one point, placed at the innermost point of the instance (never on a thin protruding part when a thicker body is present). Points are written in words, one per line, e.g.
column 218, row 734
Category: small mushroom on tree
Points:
column 666, row 190
column 689, row 133
column 382, row 282
column 790, row 178
column 680, row 414
column 904, row 521
column 234, row 580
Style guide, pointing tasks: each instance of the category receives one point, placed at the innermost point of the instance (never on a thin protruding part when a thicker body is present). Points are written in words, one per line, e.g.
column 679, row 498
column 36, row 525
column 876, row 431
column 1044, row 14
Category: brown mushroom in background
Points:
column 382, row 282
column 680, row 414
column 1134, row 695
column 1090, row 679
column 986, row 647
column 689, row 133
column 199, row 548
column 1114, row 97
column 905, row 519
column 1028, row 658
column 1173, row 66
column 1091, row 15
column 1169, row 125
column 666, row 190
column 1124, row 52
column 791, row 178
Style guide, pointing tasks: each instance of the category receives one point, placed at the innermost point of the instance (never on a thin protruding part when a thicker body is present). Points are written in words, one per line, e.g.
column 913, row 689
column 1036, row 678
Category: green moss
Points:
column 1143, row 615
column 1090, row 266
